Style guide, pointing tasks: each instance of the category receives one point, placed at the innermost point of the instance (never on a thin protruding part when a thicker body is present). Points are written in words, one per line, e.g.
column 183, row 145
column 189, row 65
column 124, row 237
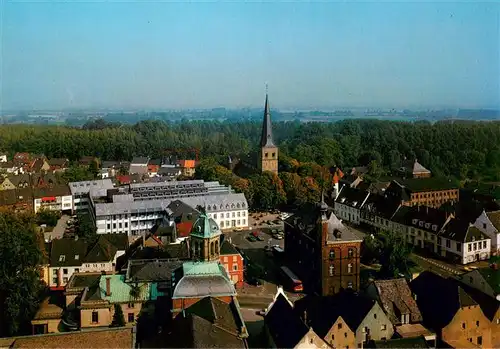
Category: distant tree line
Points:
column 461, row 149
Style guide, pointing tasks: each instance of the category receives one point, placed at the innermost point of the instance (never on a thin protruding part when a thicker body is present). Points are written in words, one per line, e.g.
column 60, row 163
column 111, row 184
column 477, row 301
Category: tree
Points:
column 85, row 228
column 395, row 255
column 118, row 317
column 371, row 250
column 268, row 190
column 20, row 285
column 135, row 291
column 47, row 217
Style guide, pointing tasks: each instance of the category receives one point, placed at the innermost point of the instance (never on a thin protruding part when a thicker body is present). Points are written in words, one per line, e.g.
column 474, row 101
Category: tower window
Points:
column 350, row 253
column 274, row 155
column 265, row 155
column 332, row 254
column 332, row 270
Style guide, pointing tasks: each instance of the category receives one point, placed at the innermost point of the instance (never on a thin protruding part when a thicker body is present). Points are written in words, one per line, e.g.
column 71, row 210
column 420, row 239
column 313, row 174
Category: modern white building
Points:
column 55, row 198
column 489, row 223
column 136, row 208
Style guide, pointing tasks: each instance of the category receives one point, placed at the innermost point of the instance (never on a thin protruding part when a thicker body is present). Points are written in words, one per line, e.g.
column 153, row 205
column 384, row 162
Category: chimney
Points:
column 108, row 286
column 305, row 317
column 76, row 237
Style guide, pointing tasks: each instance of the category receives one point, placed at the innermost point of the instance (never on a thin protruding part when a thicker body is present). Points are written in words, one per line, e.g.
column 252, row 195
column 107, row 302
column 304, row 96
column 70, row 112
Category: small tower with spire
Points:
column 268, row 149
column 205, row 239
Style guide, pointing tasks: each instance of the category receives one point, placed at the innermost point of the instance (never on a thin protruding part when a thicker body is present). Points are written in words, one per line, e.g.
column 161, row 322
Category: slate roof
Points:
column 169, row 171
column 462, row 230
column 56, row 190
column 396, row 298
column 37, row 165
column 322, row 312
column 104, row 250
column 382, row 206
column 193, row 331
column 73, row 251
column 352, row 197
column 266, row 139
column 492, row 277
column 494, row 218
column 305, row 222
column 439, row 299
column 139, row 161
column 102, row 338
column 226, row 248
column 417, row 185
column 424, row 218
column 284, row 325
column 138, row 169
column 152, row 270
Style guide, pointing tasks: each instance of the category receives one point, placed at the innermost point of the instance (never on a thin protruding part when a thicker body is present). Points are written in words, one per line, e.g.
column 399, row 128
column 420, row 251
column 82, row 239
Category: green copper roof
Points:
column 120, row 291
column 201, row 268
column 205, row 227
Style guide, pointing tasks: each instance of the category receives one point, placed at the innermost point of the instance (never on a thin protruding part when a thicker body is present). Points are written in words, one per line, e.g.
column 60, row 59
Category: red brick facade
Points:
column 234, row 266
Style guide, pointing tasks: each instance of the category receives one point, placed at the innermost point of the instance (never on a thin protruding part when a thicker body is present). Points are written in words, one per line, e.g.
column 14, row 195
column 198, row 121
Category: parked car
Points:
column 278, row 236
column 238, row 229
column 260, row 238
column 251, row 238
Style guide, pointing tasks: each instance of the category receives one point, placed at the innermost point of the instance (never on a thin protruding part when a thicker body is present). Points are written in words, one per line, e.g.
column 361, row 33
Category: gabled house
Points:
column 139, row 165
column 283, row 328
column 463, row 243
column 39, row 165
column 396, row 299
column 69, row 256
column 349, row 202
column 414, row 169
column 6, row 184
column 86, row 161
column 232, row 260
column 489, row 305
column 486, row 280
column 187, row 167
column 58, row 164
column 448, row 310
column 23, row 160
column 20, row 181
column 489, row 223
column 169, row 172
column 357, row 313
column 379, row 211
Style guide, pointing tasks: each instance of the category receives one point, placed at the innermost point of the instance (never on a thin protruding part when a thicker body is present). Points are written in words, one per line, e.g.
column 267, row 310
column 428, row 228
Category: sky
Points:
column 171, row 55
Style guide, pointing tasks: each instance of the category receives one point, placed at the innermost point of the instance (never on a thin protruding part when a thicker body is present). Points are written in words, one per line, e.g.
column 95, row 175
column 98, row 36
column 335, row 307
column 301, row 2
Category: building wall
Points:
column 105, row 317
column 184, row 303
column 129, row 308
column 97, row 267
column 52, row 324
column 376, row 324
column 234, row 267
column 347, row 213
column 484, row 224
column 311, row 340
column 346, row 267
column 3, row 158
column 433, row 198
column 495, row 330
column 468, row 324
column 230, row 219
column 477, row 250
column 59, row 276
column 7, row 185
column 62, row 203
column 269, row 159
column 340, row 335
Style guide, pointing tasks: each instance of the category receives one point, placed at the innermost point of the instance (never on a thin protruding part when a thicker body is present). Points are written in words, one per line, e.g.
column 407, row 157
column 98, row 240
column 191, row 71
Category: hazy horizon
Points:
column 164, row 55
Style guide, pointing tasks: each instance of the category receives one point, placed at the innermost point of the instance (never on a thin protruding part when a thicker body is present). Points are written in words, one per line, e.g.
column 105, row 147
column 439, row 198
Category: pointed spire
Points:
column 267, row 131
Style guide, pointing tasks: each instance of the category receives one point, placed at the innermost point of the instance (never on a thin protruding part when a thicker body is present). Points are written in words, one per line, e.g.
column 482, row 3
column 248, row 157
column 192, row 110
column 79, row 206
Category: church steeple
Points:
column 268, row 149
column 266, row 139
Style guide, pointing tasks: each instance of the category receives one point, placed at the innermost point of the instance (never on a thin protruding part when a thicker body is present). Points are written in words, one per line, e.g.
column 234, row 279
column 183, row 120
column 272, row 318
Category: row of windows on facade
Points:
column 95, row 317
column 233, row 223
column 132, row 215
column 266, row 155
column 233, row 215
column 435, row 195
column 332, row 269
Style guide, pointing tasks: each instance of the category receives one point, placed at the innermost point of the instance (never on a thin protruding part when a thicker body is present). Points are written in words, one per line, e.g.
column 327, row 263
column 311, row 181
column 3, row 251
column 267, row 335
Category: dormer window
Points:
column 77, row 257
column 354, row 203
column 434, row 227
column 414, row 221
column 62, row 258
column 427, row 225
column 421, row 224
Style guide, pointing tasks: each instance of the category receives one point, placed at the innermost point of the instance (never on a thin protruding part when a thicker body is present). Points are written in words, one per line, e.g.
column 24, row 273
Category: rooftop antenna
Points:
column 266, row 88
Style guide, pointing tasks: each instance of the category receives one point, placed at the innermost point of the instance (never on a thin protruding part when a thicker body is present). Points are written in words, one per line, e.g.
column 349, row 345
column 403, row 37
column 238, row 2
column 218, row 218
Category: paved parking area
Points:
column 260, row 219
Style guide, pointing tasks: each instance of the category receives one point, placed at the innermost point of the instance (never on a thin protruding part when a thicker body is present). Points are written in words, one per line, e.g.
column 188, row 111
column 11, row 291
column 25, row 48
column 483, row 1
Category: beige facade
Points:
column 50, row 325
column 269, row 159
column 468, row 325
column 340, row 335
column 105, row 314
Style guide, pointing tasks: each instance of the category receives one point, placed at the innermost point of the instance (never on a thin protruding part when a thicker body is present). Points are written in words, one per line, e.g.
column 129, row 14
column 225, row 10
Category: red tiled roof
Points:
column 153, row 168
column 184, row 229
column 123, row 179
column 187, row 163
